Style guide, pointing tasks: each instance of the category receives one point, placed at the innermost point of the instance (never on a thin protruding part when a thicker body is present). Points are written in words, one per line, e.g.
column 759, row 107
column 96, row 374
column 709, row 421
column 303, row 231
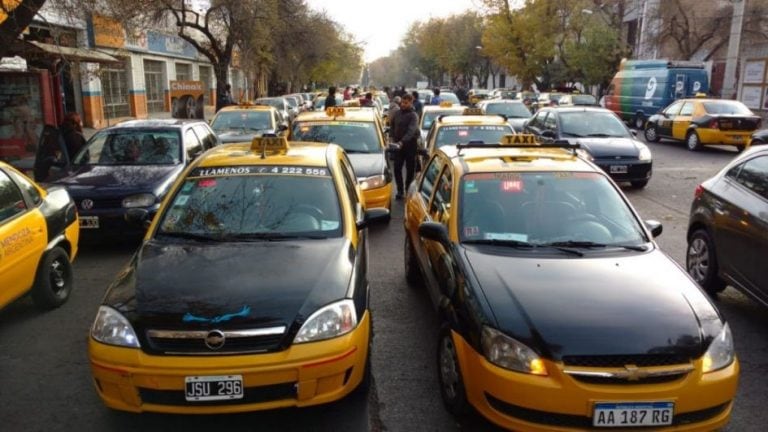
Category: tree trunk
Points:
column 220, row 69
column 17, row 20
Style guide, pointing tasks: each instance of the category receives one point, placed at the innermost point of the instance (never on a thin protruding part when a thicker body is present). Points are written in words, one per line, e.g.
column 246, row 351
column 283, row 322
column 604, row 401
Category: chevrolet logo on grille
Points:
column 215, row 339
column 633, row 373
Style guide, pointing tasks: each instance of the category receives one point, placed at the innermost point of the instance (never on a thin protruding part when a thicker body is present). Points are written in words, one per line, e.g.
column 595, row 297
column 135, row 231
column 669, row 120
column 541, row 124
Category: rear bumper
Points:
column 314, row 373
column 716, row 136
column 558, row 402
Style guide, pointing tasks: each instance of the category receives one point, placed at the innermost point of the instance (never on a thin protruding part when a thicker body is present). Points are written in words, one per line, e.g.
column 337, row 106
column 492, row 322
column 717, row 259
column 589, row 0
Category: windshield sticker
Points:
column 181, row 200
column 506, row 236
column 511, row 186
column 470, row 187
column 507, row 176
column 187, row 187
column 463, row 133
column 471, row 231
column 205, row 183
column 244, row 312
column 337, row 123
column 261, row 169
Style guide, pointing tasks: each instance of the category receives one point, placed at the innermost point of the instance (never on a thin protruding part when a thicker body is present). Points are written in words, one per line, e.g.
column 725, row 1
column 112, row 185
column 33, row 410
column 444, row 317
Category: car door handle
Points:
column 721, row 212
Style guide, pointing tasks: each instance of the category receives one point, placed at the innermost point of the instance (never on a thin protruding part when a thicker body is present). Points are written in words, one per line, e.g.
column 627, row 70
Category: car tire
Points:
column 639, row 184
column 53, row 281
column 692, row 141
column 639, row 121
column 449, row 376
column 701, row 262
column 412, row 273
column 651, row 133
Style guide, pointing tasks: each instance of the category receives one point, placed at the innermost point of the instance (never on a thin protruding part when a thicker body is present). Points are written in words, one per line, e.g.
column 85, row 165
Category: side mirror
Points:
column 282, row 127
column 548, row 134
column 373, row 215
column 434, row 231
column 138, row 216
column 654, row 227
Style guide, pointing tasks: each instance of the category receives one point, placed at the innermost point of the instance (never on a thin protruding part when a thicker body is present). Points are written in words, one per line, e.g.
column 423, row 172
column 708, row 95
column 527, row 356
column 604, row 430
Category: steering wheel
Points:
column 310, row 210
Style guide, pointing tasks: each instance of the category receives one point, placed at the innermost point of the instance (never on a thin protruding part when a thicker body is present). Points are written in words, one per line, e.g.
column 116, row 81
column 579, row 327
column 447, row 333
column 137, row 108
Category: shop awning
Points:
column 33, row 50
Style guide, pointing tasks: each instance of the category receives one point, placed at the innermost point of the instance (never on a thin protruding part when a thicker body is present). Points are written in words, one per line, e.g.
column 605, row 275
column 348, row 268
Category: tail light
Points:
column 697, row 193
column 714, row 124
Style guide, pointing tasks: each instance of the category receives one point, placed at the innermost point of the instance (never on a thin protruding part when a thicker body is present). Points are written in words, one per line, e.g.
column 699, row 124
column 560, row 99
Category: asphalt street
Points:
column 45, row 381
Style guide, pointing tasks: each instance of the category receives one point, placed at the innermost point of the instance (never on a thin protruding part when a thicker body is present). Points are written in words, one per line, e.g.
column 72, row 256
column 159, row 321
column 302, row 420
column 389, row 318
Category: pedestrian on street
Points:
column 394, row 107
column 347, row 95
column 72, row 133
column 404, row 131
column 418, row 106
column 436, row 99
column 330, row 101
column 367, row 101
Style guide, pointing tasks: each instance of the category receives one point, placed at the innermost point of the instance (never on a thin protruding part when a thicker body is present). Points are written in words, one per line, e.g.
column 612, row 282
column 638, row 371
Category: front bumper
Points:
column 379, row 197
column 306, row 374
column 716, row 136
column 558, row 402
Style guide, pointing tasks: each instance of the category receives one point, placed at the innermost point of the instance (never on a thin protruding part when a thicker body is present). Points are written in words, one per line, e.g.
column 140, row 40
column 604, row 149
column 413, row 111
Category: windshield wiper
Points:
column 276, row 236
column 356, row 151
column 575, row 135
column 603, row 135
column 192, row 236
column 589, row 244
column 499, row 242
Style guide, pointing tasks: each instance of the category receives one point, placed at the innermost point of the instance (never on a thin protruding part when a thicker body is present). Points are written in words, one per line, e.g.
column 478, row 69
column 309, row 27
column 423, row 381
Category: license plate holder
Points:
column 632, row 414
column 211, row 388
column 618, row 169
column 89, row 222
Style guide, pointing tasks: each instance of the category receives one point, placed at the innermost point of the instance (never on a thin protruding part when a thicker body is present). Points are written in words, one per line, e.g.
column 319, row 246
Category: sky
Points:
column 380, row 24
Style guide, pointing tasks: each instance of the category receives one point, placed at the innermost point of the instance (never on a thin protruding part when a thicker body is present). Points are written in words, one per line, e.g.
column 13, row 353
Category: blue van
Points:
column 641, row 88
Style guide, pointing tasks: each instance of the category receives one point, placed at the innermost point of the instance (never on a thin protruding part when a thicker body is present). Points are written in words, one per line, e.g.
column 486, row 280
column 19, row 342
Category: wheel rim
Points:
column 698, row 260
column 650, row 133
column 58, row 276
column 449, row 373
column 693, row 141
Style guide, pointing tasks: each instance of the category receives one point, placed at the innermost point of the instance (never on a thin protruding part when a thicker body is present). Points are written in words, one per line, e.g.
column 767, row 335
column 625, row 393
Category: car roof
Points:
column 156, row 123
column 515, row 159
column 298, row 154
column 247, row 107
column 350, row 114
column 454, row 120
column 579, row 108
column 452, row 108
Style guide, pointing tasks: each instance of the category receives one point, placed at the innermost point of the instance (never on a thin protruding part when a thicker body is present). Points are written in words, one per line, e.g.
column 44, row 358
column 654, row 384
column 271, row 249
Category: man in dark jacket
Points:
column 404, row 132
column 330, row 101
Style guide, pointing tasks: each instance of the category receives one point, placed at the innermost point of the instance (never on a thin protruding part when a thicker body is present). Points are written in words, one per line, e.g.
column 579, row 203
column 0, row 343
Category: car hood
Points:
column 368, row 164
column 210, row 285
column 609, row 147
column 95, row 179
column 598, row 306
column 237, row 136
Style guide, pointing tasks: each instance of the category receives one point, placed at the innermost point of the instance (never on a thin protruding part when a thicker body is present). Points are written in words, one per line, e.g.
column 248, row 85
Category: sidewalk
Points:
column 209, row 112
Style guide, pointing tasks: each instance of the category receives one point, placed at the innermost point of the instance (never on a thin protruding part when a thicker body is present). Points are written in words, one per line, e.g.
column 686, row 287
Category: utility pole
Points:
column 730, row 81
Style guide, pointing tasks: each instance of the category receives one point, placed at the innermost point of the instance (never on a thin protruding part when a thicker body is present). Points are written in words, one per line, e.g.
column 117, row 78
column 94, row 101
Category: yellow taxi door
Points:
column 439, row 257
column 681, row 121
column 22, row 241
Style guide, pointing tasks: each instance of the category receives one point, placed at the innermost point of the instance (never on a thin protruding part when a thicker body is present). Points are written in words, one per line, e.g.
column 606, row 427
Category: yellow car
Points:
column 559, row 312
column 39, row 231
column 249, row 291
column 359, row 131
column 431, row 112
column 241, row 123
column 700, row 121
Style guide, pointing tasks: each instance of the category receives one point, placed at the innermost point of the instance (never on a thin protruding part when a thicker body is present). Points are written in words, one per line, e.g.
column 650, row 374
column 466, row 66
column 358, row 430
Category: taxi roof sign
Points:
column 335, row 111
column 269, row 144
column 446, row 104
column 473, row 111
column 519, row 139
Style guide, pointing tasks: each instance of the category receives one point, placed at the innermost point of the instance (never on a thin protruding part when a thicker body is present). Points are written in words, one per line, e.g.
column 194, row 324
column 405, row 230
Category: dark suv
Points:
column 728, row 228
column 131, row 165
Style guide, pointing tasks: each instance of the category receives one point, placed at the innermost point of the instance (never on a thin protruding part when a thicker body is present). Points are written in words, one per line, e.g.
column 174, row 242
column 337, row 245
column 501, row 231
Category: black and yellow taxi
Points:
column 360, row 132
column 701, row 121
column 39, row 234
column 469, row 126
column 558, row 310
column 202, row 319
column 242, row 122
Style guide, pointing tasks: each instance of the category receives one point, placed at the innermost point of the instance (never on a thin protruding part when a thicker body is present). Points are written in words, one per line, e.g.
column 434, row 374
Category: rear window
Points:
column 727, row 107
column 511, row 110
column 242, row 121
column 131, row 147
column 353, row 137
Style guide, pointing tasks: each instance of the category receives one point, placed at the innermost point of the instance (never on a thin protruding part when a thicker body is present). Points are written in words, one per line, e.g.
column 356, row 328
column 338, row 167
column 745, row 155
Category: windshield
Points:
column 592, row 124
column 723, row 107
column 354, row 137
column 254, row 205
column 450, row 97
column 584, row 100
column 543, row 208
column 131, row 147
column 488, row 134
column 429, row 116
column 277, row 103
column 511, row 110
column 242, row 121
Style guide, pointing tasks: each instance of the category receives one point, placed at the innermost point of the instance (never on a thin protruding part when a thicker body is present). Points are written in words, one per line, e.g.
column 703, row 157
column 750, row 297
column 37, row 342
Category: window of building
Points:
column 183, row 72
column 153, row 79
column 114, row 89
column 205, row 77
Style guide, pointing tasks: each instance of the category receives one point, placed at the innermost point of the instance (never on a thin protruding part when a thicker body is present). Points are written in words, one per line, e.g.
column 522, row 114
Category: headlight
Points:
column 720, row 353
column 503, row 351
column 328, row 322
column 110, row 327
column 140, row 200
column 645, row 153
column 372, row 182
column 584, row 154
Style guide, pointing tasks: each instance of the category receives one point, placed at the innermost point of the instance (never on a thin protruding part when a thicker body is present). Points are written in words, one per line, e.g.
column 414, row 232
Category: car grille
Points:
column 251, row 395
column 172, row 342
column 622, row 381
column 618, row 361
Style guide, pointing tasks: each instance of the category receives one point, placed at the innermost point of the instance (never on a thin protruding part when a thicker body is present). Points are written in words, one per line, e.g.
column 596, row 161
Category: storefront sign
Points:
column 750, row 95
column 171, row 45
column 21, row 114
column 754, row 71
column 187, row 99
column 107, row 32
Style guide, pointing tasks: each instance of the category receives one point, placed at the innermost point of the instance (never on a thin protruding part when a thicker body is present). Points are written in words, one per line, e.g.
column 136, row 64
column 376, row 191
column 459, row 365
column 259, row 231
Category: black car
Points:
column 728, row 228
column 610, row 144
column 131, row 165
column 759, row 137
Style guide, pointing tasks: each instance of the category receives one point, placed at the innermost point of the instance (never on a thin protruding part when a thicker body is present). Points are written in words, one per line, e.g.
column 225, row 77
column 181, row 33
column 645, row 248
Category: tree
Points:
column 15, row 16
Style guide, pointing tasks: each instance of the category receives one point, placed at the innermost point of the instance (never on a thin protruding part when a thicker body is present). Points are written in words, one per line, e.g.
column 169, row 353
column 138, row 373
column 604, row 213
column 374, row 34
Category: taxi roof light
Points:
column 272, row 144
column 335, row 111
column 446, row 104
column 473, row 111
